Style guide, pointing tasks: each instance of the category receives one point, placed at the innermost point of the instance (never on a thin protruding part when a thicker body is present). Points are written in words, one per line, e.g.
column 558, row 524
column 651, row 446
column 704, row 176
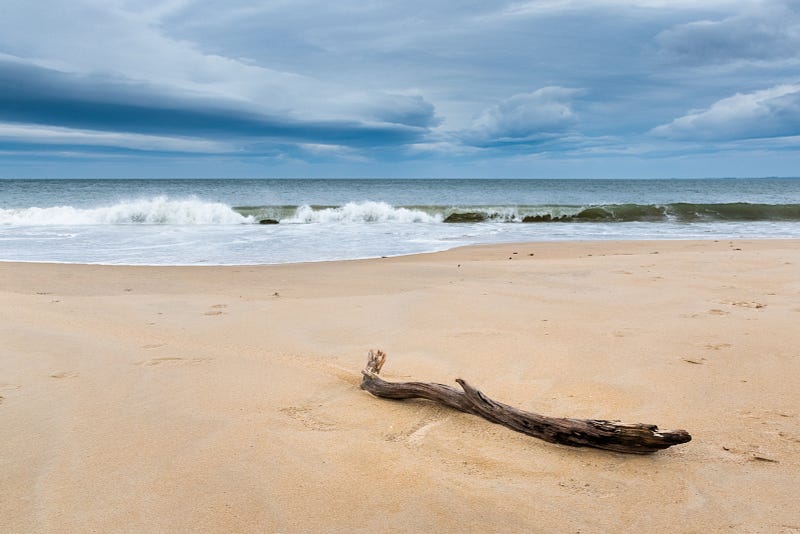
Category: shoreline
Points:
column 226, row 397
column 714, row 239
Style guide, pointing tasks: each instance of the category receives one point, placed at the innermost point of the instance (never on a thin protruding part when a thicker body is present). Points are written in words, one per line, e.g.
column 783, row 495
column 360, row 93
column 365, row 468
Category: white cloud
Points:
column 52, row 135
column 525, row 117
column 762, row 33
column 104, row 38
column 126, row 41
column 773, row 112
column 442, row 72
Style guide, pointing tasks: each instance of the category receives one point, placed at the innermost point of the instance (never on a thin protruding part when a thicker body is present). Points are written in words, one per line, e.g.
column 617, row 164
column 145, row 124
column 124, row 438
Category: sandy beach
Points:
column 226, row 399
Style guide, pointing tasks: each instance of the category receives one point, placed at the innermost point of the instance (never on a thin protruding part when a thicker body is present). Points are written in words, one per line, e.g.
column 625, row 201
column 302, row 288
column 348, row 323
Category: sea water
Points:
column 217, row 222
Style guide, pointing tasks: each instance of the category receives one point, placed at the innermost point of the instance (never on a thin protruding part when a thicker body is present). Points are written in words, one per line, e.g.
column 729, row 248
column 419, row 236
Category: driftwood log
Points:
column 610, row 435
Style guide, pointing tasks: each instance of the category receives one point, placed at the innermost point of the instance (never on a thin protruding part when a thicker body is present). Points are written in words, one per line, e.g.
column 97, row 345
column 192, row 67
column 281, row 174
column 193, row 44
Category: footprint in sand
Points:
column 64, row 374
column 417, row 432
column 750, row 454
column 717, row 346
column 153, row 346
column 416, row 437
column 171, row 361
column 216, row 309
column 304, row 416
column 717, row 311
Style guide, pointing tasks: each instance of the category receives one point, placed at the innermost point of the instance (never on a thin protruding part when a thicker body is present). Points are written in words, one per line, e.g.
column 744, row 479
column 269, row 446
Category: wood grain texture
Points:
column 627, row 438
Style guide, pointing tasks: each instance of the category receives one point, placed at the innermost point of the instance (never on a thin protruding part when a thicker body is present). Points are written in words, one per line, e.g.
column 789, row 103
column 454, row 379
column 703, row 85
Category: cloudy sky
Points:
column 434, row 88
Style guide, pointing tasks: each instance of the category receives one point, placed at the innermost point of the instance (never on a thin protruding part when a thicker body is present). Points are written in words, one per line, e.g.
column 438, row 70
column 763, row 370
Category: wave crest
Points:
column 159, row 210
column 162, row 210
column 355, row 212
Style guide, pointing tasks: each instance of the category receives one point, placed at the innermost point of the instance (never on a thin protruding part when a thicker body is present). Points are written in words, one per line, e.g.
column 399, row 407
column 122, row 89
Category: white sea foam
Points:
column 158, row 210
column 197, row 222
column 355, row 212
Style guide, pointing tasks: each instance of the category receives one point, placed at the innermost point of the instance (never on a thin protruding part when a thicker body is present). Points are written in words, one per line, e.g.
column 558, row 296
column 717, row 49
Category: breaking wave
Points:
column 368, row 212
column 166, row 211
column 159, row 210
column 354, row 212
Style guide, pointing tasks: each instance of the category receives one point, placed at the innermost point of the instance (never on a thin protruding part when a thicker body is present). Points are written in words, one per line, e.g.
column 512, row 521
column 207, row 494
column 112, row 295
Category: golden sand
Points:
column 226, row 399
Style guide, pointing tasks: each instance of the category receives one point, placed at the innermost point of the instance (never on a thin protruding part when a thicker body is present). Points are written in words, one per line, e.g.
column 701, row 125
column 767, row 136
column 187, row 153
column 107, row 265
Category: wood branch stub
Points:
column 447, row 395
column 609, row 435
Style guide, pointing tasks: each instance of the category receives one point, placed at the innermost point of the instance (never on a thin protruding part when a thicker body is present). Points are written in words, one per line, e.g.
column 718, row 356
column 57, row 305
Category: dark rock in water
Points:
column 545, row 218
column 472, row 216
column 537, row 218
column 267, row 221
column 594, row 214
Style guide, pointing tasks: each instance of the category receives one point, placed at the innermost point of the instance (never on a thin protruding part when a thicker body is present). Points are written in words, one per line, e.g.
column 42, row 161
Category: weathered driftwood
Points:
column 610, row 435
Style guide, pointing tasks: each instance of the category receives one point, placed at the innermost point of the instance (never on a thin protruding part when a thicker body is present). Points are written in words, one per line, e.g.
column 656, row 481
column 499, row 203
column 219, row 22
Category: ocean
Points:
column 268, row 221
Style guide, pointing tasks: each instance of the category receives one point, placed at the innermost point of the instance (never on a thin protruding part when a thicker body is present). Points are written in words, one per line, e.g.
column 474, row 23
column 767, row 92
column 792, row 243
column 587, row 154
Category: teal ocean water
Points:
column 235, row 222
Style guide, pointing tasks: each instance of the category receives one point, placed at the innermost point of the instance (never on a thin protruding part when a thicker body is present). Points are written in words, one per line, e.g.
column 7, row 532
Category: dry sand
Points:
column 225, row 399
